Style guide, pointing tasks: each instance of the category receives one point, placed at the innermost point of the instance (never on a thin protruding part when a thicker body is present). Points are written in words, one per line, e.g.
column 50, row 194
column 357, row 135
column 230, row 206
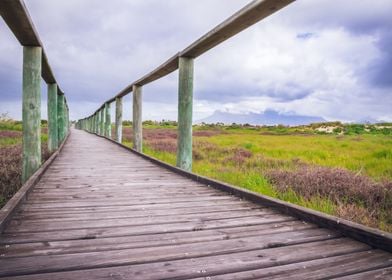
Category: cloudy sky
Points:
column 327, row 58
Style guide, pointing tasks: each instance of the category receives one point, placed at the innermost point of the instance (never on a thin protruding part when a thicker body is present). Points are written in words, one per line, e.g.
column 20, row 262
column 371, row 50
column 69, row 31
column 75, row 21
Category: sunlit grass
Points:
column 368, row 154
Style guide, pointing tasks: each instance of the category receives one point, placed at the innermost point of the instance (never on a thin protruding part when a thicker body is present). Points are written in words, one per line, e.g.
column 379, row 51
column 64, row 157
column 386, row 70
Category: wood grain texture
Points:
column 101, row 212
column 31, row 108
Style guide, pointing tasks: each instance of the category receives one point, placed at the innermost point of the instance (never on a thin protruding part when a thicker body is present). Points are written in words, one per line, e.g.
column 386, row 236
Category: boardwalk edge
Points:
column 12, row 205
column 373, row 237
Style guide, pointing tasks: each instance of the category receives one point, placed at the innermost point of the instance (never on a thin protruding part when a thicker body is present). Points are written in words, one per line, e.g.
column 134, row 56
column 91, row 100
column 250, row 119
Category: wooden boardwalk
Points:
column 102, row 212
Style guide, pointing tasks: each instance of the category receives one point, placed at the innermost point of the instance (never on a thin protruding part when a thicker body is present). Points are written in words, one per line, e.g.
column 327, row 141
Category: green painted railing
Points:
column 35, row 66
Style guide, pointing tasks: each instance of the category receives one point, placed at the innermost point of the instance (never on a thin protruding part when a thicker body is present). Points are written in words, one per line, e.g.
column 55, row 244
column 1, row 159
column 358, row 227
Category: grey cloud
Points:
column 379, row 73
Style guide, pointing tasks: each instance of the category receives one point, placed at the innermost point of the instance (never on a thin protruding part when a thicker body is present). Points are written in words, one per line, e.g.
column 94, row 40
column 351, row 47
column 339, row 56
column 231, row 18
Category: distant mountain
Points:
column 268, row 117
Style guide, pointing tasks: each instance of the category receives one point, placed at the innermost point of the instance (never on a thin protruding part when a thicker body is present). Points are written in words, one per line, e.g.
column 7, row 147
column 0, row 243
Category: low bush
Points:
column 343, row 187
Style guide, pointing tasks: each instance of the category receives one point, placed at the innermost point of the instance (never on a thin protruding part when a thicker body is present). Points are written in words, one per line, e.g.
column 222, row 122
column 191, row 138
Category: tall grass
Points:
column 11, row 157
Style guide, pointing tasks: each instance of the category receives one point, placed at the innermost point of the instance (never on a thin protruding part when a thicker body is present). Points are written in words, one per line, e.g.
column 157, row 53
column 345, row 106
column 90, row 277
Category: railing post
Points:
column 31, row 111
column 60, row 117
column 102, row 124
column 67, row 121
column 52, row 118
column 96, row 123
column 137, row 124
column 185, row 110
column 65, row 118
column 108, row 122
column 93, row 124
column 118, row 128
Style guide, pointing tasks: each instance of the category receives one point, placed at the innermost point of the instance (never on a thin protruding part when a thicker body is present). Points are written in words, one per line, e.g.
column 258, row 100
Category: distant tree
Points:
column 127, row 123
column 148, row 122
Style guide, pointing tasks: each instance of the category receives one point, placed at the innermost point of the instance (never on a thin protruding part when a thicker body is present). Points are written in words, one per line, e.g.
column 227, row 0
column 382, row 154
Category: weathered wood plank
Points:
column 163, row 207
column 93, row 233
column 17, row 266
column 325, row 268
column 149, row 240
column 116, row 214
column 125, row 202
column 379, row 274
column 25, row 225
column 238, row 251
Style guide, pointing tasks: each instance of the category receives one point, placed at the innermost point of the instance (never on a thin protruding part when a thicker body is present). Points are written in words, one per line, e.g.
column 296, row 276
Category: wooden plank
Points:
column 250, row 252
column 36, row 198
column 98, row 192
column 17, row 266
column 139, row 230
column 143, row 241
column 325, row 268
column 116, row 214
column 126, row 202
column 379, row 274
column 16, row 226
column 43, row 199
column 163, row 206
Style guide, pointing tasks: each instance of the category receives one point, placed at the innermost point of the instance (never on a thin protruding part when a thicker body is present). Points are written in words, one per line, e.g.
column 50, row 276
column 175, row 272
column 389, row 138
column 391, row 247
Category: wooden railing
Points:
column 35, row 66
column 99, row 122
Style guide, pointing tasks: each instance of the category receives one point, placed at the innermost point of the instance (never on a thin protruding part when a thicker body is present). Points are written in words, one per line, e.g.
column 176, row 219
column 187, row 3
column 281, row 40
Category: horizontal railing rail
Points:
column 35, row 66
column 184, row 61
